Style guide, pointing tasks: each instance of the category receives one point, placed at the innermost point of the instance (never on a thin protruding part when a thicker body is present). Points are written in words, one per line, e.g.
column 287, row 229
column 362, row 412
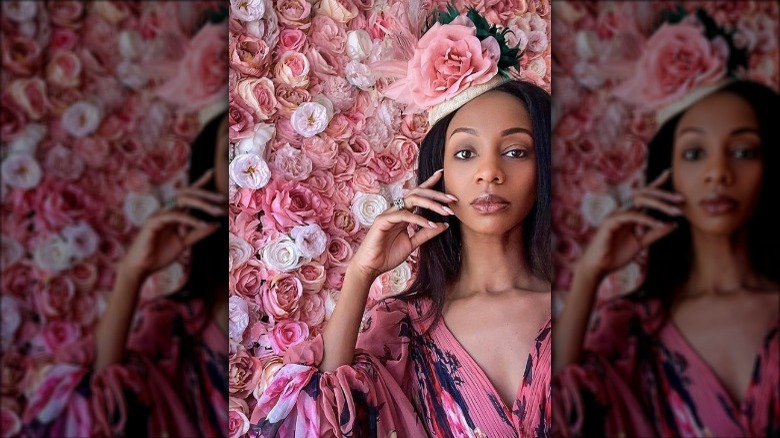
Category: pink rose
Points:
column 258, row 95
column 361, row 149
column 55, row 299
column 12, row 118
column 312, row 309
column 290, row 98
column 339, row 253
column 322, row 182
column 326, row 35
column 345, row 166
column 293, row 69
column 165, row 161
column 244, row 373
column 31, row 96
column 63, row 40
column 291, row 40
column 448, row 59
column 344, row 223
column 249, row 55
column 282, row 296
column 93, row 150
column 677, row 58
column 245, row 281
column 64, row 70
column 285, row 334
column 312, row 277
column 293, row 203
column 414, row 126
column 387, row 167
column 238, row 424
column 343, row 193
column 66, row 13
column 58, row 334
column 340, row 128
column 294, row 13
column 21, row 54
column 241, row 121
column 271, row 366
column 406, row 150
column 365, row 180
column 340, row 92
column 621, row 162
column 321, row 150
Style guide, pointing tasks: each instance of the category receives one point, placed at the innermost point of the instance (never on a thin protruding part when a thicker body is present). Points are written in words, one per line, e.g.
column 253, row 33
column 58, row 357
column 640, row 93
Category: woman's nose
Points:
column 719, row 171
column 490, row 171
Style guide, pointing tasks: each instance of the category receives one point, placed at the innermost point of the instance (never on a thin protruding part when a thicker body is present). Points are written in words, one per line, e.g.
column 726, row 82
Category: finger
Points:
column 662, row 178
column 655, row 234
column 663, row 194
column 201, row 193
column 203, row 178
column 646, row 202
column 444, row 198
column 631, row 217
column 412, row 201
column 199, row 204
column 174, row 217
column 425, row 234
column 197, row 234
column 430, row 182
column 388, row 220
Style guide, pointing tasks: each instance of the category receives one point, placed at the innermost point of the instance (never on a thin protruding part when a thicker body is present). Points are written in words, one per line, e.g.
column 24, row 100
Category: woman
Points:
column 695, row 351
column 466, row 348
column 167, row 374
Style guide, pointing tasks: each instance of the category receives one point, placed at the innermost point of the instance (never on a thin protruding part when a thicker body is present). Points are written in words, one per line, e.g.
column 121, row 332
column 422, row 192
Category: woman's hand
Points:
column 627, row 231
column 388, row 242
column 168, row 232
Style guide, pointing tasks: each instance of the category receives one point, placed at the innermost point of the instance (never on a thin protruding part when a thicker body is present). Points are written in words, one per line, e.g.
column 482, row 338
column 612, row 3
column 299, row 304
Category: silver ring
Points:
column 399, row 203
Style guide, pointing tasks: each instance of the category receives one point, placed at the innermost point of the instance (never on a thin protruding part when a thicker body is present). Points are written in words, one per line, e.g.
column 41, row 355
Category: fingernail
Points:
column 431, row 224
column 440, row 170
column 202, row 224
column 446, row 225
column 448, row 210
column 453, row 197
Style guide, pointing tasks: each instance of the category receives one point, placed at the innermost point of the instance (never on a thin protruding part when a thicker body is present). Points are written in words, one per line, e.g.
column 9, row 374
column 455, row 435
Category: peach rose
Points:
column 291, row 40
column 294, row 13
column 30, row 95
column 448, row 59
column 312, row 277
column 21, row 54
column 249, row 55
column 341, row 11
column 293, row 69
column 244, row 373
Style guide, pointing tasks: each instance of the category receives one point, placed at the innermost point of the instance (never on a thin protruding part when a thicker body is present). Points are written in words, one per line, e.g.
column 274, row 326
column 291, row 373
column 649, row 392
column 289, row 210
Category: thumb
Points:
column 425, row 234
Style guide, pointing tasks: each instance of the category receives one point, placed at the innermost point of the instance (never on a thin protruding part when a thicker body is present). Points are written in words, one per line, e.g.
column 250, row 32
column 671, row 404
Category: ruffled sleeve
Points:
column 596, row 397
column 146, row 392
column 370, row 395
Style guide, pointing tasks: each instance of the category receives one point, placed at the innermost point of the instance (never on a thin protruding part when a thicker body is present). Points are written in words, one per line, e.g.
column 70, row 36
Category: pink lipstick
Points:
column 488, row 203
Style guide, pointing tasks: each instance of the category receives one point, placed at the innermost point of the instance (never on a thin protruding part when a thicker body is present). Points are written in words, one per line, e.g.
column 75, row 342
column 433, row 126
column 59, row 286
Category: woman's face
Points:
column 221, row 158
column 717, row 163
column 490, row 163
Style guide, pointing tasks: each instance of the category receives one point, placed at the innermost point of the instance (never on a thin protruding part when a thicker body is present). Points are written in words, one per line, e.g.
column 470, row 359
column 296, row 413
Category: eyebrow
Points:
column 737, row 131
column 504, row 133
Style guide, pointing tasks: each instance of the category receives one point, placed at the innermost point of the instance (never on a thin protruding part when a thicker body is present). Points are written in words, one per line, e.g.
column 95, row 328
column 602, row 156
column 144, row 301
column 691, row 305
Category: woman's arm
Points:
column 112, row 330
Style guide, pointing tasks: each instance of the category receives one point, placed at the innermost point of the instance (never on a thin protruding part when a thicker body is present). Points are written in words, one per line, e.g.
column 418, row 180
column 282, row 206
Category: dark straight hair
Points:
column 209, row 257
column 439, row 258
column 669, row 260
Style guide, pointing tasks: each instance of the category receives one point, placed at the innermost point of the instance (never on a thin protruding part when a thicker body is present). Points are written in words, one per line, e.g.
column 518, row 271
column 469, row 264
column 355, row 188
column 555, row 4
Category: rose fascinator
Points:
column 685, row 60
column 458, row 57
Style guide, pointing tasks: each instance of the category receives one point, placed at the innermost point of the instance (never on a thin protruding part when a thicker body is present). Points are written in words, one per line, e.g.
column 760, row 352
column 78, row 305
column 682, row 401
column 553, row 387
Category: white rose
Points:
column 240, row 252
column 131, row 75
column 358, row 44
column 399, row 276
column 21, row 171
column 247, row 10
column 310, row 118
column 359, row 75
column 81, row 118
column 130, row 44
column 595, row 207
column 239, row 318
column 282, row 255
column 367, row 206
column 27, row 141
column 10, row 251
column 64, row 164
column 53, row 254
column 538, row 66
column 293, row 163
column 19, row 11
column 10, row 321
column 138, row 207
column 586, row 43
column 310, row 239
column 255, row 144
column 249, row 171
column 83, row 240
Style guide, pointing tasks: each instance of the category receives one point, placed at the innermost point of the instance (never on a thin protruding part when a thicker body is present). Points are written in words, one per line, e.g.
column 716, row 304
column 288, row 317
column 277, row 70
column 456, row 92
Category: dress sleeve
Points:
column 75, row 400
column 597, row 397
column 370, row 395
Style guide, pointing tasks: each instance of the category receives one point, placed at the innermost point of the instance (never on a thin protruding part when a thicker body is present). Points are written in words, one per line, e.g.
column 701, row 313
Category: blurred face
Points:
column 490, row 163
column 221, row 159
column 717, row 163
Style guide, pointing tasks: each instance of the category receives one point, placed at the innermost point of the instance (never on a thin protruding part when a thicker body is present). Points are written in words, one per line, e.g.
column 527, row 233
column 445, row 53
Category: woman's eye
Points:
column 745, row 153
column 464, row 154
column 517, row 153
column 692, row 154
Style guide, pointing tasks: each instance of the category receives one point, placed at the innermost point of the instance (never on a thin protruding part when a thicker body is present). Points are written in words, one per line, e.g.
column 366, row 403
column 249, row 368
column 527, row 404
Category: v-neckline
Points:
column 483, row 376
column 711, row 375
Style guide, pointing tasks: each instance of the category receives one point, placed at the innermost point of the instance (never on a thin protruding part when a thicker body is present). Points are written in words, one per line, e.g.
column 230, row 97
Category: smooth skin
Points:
column 724, row 302
column 162, row 239
column 496, row 306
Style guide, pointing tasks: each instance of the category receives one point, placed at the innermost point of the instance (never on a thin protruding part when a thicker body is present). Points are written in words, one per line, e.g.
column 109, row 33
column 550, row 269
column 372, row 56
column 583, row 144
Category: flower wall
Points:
column 316, row 154
column 90, row 148
column 599, row 140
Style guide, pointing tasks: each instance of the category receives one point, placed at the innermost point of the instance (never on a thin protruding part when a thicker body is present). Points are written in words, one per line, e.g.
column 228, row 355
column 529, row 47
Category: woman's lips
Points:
column 487, row 203
column 717, row 205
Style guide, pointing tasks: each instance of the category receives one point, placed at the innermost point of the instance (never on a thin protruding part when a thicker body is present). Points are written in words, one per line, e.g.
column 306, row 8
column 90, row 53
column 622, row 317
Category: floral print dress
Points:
column 403, row 382
column 173, row 381
column 640, row 377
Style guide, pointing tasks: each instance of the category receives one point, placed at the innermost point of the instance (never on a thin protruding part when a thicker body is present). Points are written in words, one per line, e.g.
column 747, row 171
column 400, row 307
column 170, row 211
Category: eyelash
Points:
column 749, row 153
column 523, row 154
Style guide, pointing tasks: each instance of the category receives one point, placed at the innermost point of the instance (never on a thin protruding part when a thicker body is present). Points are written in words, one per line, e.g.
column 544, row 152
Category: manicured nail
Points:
column 453, row 197
column 440, row 170
column 446, row 225
column 431, row 224
column 448, row 210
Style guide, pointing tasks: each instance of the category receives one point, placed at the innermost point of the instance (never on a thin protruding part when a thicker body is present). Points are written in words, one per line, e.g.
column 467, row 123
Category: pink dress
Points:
column 173, row 381
column 403, row 382
column 639, row 378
